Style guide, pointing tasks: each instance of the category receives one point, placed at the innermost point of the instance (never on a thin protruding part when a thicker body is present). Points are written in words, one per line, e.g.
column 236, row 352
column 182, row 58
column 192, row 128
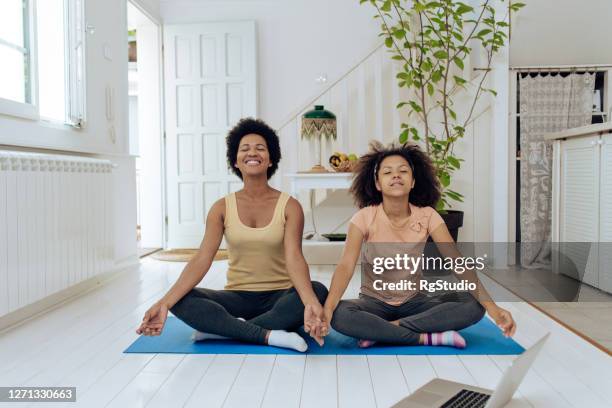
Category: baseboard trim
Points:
column 51, row 302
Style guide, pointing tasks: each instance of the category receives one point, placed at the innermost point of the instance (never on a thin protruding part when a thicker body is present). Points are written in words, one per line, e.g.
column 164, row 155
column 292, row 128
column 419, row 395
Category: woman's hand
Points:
column 313, row 322
column 153, row 320
column 503, row 319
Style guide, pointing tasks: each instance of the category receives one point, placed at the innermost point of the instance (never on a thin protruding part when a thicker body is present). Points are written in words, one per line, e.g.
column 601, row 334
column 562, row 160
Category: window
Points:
column 15, row 69
column 42, row 75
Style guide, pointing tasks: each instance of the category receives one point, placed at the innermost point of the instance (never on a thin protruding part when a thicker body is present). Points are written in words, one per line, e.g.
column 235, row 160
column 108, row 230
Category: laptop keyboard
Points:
column 467, row 399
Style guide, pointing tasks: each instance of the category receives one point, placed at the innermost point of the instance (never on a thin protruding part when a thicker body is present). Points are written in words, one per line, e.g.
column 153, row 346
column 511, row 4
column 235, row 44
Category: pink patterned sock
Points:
column 448, row 338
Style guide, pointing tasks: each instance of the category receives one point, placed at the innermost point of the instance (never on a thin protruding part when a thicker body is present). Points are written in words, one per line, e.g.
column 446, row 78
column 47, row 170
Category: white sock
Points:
column 199, row 336
column 281, row 338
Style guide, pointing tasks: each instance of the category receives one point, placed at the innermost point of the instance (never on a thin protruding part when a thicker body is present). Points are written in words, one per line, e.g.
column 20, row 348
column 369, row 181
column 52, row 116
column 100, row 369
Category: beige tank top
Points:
column 256, row 255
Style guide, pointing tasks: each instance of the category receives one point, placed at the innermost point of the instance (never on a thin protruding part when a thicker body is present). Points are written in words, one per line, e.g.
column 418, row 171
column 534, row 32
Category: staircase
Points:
column 364, row 101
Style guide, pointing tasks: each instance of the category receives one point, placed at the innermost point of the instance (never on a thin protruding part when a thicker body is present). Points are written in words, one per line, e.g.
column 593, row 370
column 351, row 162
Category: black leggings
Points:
column 216, row 311
column 368, row 318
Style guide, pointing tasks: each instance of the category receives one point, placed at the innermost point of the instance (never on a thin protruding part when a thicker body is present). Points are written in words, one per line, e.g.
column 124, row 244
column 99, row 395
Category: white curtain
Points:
column 548, row 104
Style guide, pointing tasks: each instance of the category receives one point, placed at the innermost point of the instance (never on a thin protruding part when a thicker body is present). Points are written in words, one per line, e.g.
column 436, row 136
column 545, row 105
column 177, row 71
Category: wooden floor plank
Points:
column 417, row 371
column 216, row 384
column 450, row 368
column 250, row 385
column 285, row 386
column 388, row 380
column 113, row 381
column 354, row 383
column 182, row 382
column 320, row 386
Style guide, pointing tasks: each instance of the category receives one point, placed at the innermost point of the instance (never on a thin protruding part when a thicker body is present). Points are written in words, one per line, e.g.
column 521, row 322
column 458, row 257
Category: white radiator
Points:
column 56, row 224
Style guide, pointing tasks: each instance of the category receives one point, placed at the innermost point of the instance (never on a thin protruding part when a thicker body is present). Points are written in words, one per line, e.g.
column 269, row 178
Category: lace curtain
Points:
column 548, row 104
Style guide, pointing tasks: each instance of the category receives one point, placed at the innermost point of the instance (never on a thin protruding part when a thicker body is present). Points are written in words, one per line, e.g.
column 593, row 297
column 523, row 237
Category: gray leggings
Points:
column 216, row 311
column 368, row 318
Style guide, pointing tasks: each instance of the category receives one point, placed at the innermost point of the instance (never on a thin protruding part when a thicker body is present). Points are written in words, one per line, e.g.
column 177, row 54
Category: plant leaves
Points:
column 453, row 162
column 463, row 8
column 430, row 89
column 444, row 179
column 458, row 62
column 483, row 32
column 440, row 54
column 399, row 34
column 460, row 81
column 415, row 106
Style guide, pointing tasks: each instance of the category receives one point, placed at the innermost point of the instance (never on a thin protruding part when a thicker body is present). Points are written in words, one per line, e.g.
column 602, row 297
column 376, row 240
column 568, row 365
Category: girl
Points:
column 395, row 189
column 268, row 288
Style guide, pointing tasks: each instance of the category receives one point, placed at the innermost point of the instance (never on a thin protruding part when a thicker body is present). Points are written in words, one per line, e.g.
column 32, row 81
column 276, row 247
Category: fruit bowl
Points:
column 342, row 163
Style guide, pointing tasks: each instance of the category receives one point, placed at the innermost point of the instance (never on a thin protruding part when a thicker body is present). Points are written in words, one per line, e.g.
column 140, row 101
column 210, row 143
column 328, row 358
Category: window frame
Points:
column 26, row 110
column 76, row 86
column 74, row 63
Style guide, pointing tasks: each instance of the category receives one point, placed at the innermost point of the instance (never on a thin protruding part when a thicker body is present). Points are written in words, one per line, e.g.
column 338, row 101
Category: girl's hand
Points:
column 328, row 314
column 313, row 321
column 153, row 320
column 504, row 320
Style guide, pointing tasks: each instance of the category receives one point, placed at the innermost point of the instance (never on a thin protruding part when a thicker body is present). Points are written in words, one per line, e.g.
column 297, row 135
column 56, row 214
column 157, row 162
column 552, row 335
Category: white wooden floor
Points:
column 80, row 344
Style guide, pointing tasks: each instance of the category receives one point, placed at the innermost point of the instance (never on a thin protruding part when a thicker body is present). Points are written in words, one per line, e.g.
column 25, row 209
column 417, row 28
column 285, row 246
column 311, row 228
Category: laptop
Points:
column 449, row 394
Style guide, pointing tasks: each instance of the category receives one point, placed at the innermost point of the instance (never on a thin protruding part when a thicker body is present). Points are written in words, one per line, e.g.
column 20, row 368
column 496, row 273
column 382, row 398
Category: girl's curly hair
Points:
column 426, row 190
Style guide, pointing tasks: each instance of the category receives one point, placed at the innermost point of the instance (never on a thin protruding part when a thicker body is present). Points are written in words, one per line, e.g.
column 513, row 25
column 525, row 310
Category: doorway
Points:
column 146, row 125
column 210, row 82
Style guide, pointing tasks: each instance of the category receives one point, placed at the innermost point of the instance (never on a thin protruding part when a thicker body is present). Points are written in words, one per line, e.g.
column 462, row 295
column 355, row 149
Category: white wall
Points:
column 149, row 7
column 109, row 19
column 562, row 32
column 297, row 39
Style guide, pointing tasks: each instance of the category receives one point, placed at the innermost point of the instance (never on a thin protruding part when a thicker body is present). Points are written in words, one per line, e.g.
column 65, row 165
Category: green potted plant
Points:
column 432, row 40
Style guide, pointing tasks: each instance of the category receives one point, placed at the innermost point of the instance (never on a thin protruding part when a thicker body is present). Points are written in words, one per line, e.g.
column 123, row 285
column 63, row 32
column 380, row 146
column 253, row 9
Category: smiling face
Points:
column 394, row 177
column 253, row 158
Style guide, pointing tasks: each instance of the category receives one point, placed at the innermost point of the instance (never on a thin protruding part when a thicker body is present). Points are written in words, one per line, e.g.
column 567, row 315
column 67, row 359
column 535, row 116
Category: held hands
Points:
column 504, row 320
column 315, row 322
column 153, row 320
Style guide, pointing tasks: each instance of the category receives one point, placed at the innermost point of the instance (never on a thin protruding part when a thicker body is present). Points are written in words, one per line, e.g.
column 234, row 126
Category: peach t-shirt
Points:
column 380, row 235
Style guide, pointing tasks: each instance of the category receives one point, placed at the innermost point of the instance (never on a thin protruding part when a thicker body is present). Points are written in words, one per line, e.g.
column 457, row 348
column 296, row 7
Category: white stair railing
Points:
column 364, row 101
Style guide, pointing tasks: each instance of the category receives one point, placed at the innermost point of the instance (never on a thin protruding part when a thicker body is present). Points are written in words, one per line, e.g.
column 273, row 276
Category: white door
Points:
column 605, row 214
column 210, row 77
column 579, row 208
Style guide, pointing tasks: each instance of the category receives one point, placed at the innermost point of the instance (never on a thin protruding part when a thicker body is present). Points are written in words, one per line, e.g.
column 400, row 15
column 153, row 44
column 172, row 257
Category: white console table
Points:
column 310, row 181
column 318, row 250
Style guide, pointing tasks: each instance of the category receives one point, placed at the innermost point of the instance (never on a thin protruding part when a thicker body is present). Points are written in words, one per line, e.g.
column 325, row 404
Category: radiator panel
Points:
column 56, row 216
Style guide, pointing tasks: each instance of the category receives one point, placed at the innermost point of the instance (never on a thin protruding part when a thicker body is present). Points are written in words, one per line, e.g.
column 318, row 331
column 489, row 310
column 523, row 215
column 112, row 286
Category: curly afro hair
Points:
column 426, row 190
column 248, row 126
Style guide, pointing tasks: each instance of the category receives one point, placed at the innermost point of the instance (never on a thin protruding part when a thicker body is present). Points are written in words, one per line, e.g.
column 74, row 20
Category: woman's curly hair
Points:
column 426, row 190
column 245, row 127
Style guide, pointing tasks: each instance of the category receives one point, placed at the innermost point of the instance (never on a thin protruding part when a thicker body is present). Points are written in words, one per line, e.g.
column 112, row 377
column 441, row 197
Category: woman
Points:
column 268, row 288
column 395, row 189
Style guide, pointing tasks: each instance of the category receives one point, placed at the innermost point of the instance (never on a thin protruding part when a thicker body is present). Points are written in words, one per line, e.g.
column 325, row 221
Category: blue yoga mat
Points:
column 482, row 338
